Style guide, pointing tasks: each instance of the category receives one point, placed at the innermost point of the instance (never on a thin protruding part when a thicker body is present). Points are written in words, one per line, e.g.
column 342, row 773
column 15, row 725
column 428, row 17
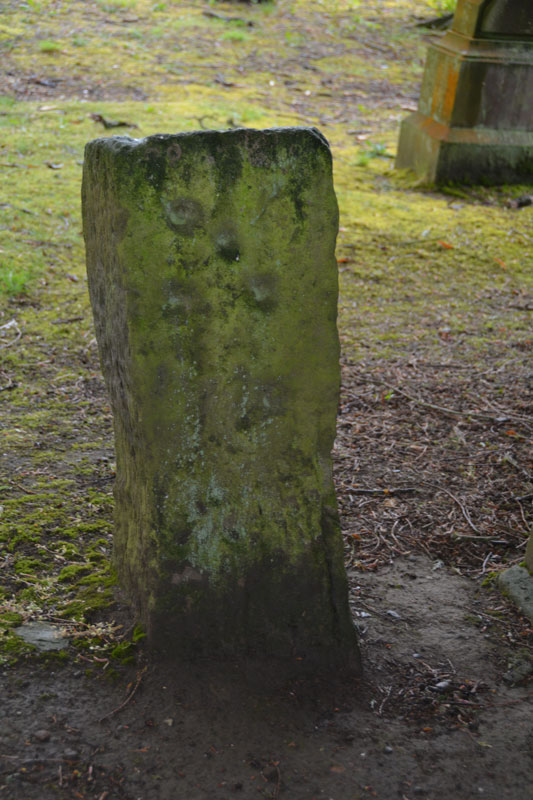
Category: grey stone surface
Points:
column 42, row 635
column 517, row 583
column 213, row 281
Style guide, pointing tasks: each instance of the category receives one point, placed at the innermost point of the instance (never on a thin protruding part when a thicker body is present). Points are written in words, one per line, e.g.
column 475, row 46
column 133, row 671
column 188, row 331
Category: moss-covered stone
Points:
column 213, row 282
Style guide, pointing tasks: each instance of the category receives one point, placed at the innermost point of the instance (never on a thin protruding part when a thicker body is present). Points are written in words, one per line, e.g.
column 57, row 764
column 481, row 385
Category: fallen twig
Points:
column 463, row 510
column 455, row 412
column 22, row 488
column 278, row 783
column 405, row 490
column 11, row 324
column 380, row 709
column 67, row 321
column 436, row 22
column 223, row 18
column 109, row 123
column 128, row 698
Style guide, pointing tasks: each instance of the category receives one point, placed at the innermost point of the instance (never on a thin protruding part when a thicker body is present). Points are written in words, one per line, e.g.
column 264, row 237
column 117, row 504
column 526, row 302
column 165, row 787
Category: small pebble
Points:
column 42, row 735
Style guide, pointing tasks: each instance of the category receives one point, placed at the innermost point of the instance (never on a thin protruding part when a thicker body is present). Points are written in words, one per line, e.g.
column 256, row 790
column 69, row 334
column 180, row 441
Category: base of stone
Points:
column 517, row 583
column 440, row 154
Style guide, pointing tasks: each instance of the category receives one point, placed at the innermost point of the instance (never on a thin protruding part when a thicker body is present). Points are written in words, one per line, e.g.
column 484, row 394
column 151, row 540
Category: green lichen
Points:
column 249, row 390
column 10, row 619
column 13, row 648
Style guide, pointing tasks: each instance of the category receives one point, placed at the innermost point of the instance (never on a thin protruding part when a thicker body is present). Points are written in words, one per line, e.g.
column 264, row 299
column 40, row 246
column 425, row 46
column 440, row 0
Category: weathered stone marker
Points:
column 213, row 281
column 474, row 122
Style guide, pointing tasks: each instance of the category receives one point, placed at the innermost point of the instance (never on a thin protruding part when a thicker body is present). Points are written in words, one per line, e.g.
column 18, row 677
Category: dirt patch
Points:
column 32, row 86
column 431, row 717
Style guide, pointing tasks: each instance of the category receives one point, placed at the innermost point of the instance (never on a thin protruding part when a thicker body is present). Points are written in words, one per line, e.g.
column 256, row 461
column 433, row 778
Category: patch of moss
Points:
column 87, row 604
column 124, row 653
column 104, row 579
column 11, row 619
column 489, row 580
column 71, row 573
column 27, row 566
column 13, row 648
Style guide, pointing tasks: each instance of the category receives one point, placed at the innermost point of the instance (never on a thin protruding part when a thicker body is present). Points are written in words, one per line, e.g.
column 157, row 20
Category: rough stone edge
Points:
column 517, row 583
column 126, row 139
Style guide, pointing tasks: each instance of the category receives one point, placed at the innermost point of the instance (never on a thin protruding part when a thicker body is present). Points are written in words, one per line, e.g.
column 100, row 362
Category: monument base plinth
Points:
column 474, row 122
column 442, row 154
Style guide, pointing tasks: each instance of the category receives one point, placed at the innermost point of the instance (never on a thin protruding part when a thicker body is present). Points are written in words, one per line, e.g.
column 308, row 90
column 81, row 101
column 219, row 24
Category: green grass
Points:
column 49, row 47
column 443, row 6
column 114, row 6
column 234, row 36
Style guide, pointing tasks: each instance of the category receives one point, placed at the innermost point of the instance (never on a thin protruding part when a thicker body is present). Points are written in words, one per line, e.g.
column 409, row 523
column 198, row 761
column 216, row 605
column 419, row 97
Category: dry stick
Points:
column 386, row 492
column 464, row 512
column 436, row 22
column 128, row 698
column 503, row 411
column 278, row 784
column 214, row 15
column 523, row 515
column 22, row 488
column 380, row 709
column 444, row 409
column 11, row 324
column 485, row 563
column 509, row 702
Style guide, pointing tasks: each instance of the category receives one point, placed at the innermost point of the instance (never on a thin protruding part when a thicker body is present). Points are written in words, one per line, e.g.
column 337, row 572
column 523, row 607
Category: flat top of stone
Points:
column 219, row 137
column 294, row 130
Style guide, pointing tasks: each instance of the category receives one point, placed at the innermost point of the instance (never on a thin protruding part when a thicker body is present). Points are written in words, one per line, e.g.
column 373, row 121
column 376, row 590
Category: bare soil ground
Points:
column 433, row 459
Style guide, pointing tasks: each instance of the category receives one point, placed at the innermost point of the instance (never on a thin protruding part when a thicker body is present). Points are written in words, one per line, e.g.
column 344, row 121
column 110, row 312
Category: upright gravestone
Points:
column 474, row 122
column 213, row 281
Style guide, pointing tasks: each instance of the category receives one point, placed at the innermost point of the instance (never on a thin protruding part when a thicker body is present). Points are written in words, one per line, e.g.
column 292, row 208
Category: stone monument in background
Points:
column 213, row 282
column 474, row 122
